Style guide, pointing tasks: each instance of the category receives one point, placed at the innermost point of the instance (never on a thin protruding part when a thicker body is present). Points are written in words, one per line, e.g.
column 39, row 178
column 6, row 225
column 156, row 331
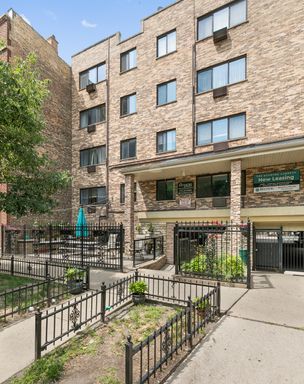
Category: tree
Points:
column 28, row 173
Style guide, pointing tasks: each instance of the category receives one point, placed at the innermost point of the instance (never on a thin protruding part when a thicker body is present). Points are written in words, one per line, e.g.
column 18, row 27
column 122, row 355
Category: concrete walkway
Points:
column 261, row 340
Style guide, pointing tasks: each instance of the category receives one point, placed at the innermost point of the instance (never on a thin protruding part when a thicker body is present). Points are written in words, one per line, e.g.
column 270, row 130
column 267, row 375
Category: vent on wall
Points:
column 91, row 128
column 219, row 202
column 220, row 146
column 91, row 88
column 220, row 92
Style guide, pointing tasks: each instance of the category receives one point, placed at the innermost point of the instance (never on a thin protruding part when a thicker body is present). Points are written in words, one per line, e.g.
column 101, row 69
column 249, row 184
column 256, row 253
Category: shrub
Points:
column 138, row 288
column 74, row 274
column 233, row 268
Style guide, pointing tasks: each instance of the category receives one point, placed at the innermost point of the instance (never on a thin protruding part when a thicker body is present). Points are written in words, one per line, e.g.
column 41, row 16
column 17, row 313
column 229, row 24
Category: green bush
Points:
column 233, row 268
column 138, row 287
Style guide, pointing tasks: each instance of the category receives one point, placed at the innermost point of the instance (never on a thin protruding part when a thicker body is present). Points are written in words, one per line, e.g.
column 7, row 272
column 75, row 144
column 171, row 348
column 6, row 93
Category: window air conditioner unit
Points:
column 219, row 202
column 220, row 35
column 220, row 146
column 91, row 88
column 91, row 128
column 91, row 209
column 220, row 92
column 91, row 168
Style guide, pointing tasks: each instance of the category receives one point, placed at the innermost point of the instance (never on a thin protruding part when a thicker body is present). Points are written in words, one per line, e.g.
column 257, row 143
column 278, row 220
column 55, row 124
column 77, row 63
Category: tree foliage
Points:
column 27, row 171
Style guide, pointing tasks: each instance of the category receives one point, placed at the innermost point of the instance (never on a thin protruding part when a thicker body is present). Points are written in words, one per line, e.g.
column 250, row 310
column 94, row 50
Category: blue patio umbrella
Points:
column 81, row 225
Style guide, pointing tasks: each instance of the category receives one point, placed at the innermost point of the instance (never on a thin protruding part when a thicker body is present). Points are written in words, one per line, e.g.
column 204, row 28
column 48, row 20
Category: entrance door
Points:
column 278, row 250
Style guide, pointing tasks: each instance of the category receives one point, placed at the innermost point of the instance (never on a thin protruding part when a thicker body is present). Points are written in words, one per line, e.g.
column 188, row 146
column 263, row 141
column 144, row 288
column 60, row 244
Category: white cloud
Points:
column 25, row 19
column 87, row 24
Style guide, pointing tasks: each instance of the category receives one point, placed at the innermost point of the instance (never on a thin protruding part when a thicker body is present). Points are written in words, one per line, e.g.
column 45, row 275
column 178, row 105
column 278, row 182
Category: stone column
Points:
column 129, row 215
column 235, row 191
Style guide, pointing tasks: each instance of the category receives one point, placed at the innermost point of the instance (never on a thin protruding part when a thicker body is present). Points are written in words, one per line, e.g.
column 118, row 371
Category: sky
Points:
column 80, row 23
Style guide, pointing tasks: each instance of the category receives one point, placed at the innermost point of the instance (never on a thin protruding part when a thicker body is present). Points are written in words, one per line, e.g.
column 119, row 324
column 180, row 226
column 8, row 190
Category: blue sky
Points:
column 80, row 23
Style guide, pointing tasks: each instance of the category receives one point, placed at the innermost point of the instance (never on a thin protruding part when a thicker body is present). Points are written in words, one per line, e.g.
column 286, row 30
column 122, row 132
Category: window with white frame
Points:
column 166, row 43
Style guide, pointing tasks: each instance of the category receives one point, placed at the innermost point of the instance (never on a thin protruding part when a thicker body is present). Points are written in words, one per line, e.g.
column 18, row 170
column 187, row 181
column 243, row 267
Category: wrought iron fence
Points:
column 158, row 349
column 147, row 249
column 216, row 251
column 38, row 294
column 32, row 268
column 58, row 323
column 100, row 245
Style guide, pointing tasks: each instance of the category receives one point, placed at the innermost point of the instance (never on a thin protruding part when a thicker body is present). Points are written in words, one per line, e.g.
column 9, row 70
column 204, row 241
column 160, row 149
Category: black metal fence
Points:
column 278, row 250
column 58, row 323
column 159, row 349
column 32, row 268
column 216, row 251
column 99, row 245
column 147, row 249
column 38, row 294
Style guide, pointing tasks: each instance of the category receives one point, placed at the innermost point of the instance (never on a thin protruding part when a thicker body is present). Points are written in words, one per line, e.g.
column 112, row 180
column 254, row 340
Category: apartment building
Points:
column 197, row 117
column 20, row 39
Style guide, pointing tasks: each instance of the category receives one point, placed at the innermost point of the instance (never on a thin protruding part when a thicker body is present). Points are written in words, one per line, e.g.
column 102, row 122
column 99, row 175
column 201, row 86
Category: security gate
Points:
column 278, row 250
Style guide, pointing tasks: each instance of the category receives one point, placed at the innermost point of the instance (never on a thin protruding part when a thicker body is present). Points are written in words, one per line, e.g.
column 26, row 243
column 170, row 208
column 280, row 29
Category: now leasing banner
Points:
column 277, row 181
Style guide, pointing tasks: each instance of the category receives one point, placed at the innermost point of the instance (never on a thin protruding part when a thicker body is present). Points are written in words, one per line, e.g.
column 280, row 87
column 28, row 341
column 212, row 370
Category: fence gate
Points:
column 278, row 250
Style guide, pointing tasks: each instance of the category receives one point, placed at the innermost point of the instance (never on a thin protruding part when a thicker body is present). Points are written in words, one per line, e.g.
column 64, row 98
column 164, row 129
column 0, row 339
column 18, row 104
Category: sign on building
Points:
column 185, row 188
column 277, row 181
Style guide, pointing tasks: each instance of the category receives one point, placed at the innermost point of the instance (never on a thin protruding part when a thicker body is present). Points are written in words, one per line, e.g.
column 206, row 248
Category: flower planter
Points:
column 75, row 286
column 138, row 298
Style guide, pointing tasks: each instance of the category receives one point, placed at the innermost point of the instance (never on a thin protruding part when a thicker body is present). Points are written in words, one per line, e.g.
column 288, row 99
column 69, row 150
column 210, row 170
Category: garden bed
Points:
column 11, row 282
column 98, row 356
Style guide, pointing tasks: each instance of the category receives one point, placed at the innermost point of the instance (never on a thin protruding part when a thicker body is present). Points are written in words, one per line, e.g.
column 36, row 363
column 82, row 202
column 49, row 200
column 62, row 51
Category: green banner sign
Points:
column 277, row 181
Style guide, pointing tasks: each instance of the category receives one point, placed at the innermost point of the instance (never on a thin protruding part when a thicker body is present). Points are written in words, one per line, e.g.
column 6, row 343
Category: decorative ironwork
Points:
column 167, row 342
column 74, row 316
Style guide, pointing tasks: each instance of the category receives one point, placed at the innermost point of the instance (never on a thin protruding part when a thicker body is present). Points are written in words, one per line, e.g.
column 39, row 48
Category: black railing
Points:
column 216, row 251
column 147, row 249
column 39, row 294
column 59, row 322
column 32, row 268
column 92, row 245
column 183, row 330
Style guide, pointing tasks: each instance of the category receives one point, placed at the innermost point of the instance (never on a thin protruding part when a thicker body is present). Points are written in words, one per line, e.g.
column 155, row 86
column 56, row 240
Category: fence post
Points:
column 103, row 302
column 129, row 361
column 12, row 265
column 88, row 277
column 154, row 248
column 121, row 246
column 46, row 269
column 136, row 275
column 218, row 298
column 175, row 249
column 48, row 291
column 24, row 241
column 2, row 240
column 82, row 245
column 189, row 322
column 37, row 334
column 249, row 284
column 50, row 240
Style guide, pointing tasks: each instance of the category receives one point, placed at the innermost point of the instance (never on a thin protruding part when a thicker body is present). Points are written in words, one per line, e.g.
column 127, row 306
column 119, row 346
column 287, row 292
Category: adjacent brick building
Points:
column 20, row 39
column 215, row 100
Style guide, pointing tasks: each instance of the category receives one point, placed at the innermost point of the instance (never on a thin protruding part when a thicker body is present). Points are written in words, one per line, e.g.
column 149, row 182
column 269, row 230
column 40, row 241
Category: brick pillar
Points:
column 235, row 191
column 3, row 215
column 129, row 215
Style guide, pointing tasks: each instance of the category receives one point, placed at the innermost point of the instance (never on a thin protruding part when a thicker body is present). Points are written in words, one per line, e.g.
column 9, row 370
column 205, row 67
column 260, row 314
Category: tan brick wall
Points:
column 57, row 110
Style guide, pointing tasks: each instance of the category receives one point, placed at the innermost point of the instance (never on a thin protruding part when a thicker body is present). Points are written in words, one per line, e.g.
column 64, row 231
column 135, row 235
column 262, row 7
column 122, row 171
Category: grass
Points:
column 10, row 282
column 50, row 368
column 110, row 377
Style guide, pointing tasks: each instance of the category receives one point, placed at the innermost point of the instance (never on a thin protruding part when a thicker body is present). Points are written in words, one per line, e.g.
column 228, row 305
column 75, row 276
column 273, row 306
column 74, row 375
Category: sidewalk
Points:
column 259, row 341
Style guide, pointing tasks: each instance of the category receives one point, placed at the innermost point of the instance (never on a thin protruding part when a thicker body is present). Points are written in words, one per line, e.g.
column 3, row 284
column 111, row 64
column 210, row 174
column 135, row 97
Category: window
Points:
column 166, row 141
column 128, row 149
column 220, row 75
column 229, row 16
column 165, row 190
column 92, row 156
column 128, row 60
column 92, row 116
column 92, row 76
column 122, row 193
column 166, row 92
column 166, row 44
column 93, row 196
column 228, row 128
column 213, row 185
column 128, row 105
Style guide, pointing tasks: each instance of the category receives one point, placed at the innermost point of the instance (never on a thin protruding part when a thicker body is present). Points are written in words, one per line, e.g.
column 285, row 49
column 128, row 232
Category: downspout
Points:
column 107, row 128
column 194, row 82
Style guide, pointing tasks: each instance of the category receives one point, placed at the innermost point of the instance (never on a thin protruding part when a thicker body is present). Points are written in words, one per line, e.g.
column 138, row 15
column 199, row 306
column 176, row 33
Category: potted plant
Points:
column 203, row 307
column 138, row 290
column 74, row 279
column 151, row 228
